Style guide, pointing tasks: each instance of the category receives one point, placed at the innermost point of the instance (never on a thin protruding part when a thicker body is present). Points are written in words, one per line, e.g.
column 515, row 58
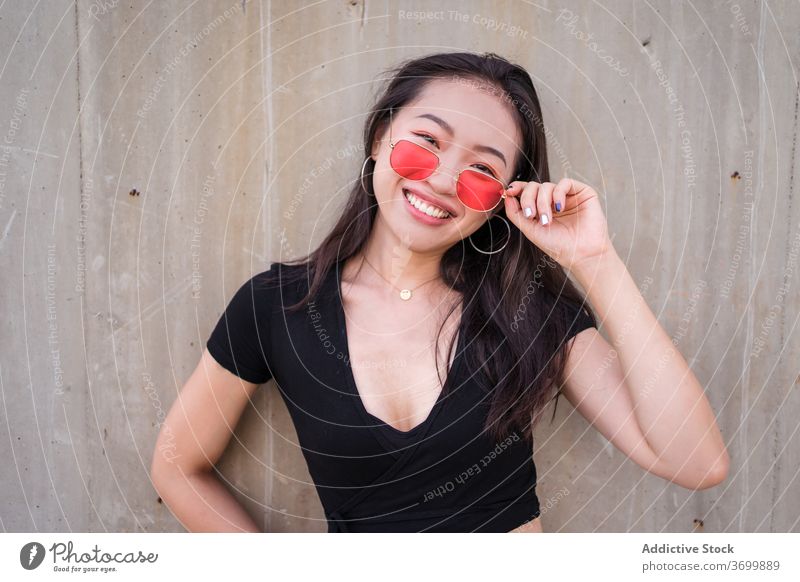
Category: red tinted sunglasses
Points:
column 475, row 189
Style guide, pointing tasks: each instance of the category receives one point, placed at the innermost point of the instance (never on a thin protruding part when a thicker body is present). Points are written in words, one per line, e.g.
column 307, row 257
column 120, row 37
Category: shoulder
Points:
column 263, row 292
column 575, row 311
column 256, row 300
column 280, row 277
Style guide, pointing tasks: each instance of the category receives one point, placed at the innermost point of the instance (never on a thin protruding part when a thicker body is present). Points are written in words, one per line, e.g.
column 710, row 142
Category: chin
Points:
column 418, row 237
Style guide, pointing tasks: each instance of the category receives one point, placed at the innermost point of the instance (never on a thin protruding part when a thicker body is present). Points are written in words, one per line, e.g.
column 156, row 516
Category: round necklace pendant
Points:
column 405, row 294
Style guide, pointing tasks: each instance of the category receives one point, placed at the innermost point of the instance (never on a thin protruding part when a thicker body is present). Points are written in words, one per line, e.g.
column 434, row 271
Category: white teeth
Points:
column 424, row 207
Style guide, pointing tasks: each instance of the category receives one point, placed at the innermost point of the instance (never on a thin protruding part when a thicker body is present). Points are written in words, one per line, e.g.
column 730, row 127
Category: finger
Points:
column 513, row 210
column 575, row 187
column 528, row 200
column 512, row 202
column 544, row 201
column 560, row 194
column 515, row 188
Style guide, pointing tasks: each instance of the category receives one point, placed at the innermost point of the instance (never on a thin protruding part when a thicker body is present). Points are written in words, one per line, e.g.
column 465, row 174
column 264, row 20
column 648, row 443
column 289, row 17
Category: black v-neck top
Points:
column 444, row 475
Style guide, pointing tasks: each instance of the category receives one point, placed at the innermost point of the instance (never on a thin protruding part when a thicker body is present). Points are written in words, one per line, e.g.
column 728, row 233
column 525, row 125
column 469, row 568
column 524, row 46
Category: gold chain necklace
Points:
column 405, row 294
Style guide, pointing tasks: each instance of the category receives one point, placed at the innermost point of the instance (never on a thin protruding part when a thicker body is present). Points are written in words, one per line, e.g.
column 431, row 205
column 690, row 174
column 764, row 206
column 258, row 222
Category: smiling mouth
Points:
column 426, row 208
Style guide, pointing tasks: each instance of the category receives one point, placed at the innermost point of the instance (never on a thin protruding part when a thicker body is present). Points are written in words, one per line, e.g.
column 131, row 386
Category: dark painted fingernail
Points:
column 558, row 206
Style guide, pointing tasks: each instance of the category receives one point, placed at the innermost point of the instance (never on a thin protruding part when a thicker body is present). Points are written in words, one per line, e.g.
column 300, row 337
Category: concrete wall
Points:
column 224, row 117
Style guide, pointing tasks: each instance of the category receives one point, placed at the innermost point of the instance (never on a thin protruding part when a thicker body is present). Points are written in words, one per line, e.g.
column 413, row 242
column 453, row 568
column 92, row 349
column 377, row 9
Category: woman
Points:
column 453, row 241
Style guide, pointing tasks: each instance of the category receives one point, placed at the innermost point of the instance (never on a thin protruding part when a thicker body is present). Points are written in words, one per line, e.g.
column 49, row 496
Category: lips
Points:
column 432, row 200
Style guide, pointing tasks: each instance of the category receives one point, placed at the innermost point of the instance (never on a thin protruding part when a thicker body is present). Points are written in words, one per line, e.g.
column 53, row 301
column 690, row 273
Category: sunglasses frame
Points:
column 439, row 163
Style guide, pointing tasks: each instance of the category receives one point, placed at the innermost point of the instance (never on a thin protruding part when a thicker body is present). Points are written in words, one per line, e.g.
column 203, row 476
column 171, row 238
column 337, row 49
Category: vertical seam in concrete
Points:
column 777, row 426
column 788, row 209
column 752, row 272
column 80, row 105
column 82, row 295
column 266, row 54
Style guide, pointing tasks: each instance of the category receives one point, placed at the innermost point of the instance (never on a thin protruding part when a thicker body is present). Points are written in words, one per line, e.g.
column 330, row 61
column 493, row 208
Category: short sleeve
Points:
column 578, row 319
column 240, row 340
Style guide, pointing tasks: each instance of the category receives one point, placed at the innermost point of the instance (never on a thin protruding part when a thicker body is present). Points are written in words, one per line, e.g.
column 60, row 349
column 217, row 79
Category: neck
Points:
column 391, row 256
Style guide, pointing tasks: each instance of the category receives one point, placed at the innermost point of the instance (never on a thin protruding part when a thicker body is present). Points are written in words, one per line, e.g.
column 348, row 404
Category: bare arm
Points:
column 194, row 435
column 638, row 391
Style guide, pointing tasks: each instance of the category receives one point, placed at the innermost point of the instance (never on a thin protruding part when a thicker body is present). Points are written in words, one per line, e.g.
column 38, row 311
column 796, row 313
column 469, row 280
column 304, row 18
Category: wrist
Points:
column 590, row 270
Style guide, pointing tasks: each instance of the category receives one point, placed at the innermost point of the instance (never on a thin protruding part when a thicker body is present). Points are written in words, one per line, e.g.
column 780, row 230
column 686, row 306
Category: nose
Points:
column 443, row 180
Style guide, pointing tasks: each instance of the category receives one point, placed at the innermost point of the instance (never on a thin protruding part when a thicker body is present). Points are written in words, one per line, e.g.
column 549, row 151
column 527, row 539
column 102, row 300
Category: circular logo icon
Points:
column 31, row 555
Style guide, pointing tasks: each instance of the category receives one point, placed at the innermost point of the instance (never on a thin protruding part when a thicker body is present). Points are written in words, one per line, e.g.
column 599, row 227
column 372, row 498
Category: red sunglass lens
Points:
column 412, row 161
column 478, row 191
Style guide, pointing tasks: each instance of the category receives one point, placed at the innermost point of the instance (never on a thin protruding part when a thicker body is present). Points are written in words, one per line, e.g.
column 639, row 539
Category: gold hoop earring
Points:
column 508, row 238
column 363, row 167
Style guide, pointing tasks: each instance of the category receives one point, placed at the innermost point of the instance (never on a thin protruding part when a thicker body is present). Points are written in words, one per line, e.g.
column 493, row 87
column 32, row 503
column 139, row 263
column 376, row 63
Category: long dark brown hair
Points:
column 515, row 318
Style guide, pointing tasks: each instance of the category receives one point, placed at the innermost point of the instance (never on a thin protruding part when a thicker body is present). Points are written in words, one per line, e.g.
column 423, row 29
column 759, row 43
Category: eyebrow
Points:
column 449, row 129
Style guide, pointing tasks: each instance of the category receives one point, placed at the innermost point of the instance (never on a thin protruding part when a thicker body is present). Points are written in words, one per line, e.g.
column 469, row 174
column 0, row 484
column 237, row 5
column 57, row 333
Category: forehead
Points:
column 478, row 111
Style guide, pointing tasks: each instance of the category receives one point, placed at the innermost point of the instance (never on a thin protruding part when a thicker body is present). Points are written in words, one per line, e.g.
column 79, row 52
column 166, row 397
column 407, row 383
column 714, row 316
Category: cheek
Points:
column 466, row 224
column 385, row 180
column 471, row 221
